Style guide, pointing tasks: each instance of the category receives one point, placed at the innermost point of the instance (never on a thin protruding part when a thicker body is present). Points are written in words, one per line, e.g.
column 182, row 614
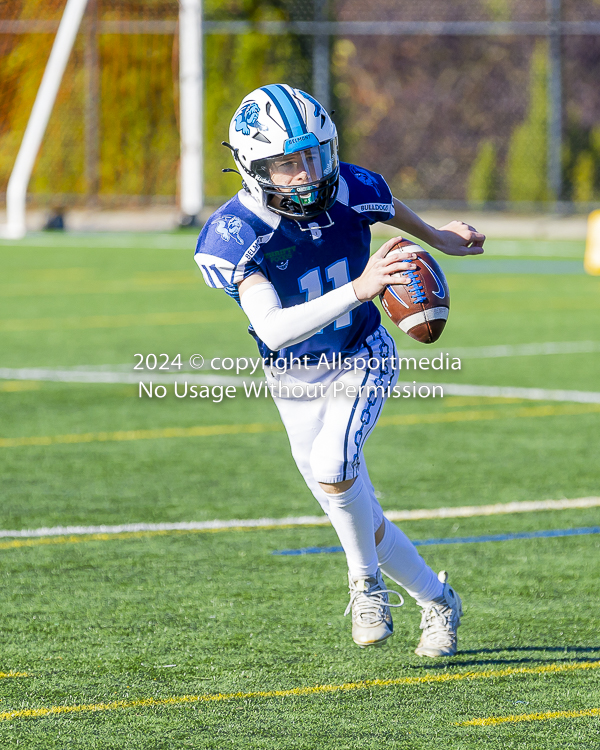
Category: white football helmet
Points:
column 278, row 131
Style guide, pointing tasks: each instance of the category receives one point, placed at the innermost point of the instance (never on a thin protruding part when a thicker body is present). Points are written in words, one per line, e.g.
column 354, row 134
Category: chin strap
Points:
column 316, row 225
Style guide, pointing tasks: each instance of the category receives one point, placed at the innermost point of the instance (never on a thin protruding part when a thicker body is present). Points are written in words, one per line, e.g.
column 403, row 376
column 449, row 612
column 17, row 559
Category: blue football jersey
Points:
column 303, row 260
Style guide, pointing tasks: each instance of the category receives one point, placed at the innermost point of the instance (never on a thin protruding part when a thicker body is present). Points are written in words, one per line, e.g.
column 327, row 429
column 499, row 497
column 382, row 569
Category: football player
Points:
column 293, row 249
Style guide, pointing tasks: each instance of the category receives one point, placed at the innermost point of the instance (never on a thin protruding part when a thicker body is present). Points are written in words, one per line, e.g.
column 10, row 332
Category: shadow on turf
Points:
column 568, row 651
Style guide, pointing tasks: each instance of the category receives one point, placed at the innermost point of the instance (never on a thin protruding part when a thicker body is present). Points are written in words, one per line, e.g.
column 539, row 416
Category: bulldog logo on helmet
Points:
column 248, row 118
column 299, row 126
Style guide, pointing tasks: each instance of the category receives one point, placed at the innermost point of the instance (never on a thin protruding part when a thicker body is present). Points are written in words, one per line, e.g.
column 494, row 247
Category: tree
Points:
column 526, row 164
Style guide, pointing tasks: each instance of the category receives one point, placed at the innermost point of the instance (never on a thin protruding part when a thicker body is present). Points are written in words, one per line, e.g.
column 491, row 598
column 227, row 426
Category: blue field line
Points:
column 517, row 266
column 458, row 540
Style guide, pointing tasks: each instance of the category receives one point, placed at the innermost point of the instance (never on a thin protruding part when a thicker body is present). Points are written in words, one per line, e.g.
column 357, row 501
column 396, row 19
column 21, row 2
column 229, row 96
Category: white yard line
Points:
column 529, row 394
column 449, row 389
column 102, row 375
column 521, row 350
column 465, row 511
column 124, row 373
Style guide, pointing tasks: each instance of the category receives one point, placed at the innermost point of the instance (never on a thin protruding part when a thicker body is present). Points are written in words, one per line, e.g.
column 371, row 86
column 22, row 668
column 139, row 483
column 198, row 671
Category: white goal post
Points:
column 191, row 110
column 16, row 192
column 190, row 106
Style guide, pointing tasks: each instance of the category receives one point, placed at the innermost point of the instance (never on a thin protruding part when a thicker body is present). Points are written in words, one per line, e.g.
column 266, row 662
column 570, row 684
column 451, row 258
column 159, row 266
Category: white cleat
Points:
column 439, row 621
column 371, row 619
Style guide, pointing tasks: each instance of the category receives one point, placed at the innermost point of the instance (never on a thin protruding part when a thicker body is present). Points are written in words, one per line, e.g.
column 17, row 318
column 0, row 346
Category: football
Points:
column 420, row 308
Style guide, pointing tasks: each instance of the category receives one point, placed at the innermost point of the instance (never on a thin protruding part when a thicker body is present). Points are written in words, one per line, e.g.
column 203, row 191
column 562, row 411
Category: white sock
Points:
column 400, row 561
column 351, row 516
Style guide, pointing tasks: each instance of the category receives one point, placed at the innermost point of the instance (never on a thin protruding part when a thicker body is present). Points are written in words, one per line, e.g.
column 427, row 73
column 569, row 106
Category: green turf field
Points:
column 208, row 640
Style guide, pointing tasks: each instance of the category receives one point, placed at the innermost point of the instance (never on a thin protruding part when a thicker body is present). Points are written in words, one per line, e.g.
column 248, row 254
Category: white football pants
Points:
column 329, row 425
column 328, row 415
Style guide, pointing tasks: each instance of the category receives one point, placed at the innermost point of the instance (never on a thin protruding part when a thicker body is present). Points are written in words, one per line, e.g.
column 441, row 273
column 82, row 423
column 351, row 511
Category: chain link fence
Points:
column 489, row 103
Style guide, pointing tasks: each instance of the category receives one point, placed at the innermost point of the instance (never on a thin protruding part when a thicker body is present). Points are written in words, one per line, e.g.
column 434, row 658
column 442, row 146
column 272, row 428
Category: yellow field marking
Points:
column 102, row 537
column 12, row 386
column 78, row 274
column 117, row 321
column 126, row 435
column 85, row 284
column 13, row 674
column 258, row 427
column 153, row 278
column 456, row 401
column 548, row 410
column 299, row 691
column 495, row 720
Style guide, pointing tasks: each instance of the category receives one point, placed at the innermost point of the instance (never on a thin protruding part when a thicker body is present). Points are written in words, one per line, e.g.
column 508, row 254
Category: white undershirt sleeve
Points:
column 280, row 327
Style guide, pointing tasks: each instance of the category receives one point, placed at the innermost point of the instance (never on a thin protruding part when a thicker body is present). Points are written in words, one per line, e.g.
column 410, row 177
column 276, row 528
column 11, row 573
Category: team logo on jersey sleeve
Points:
column 248, row 118
column 229, row 227
column 364, row 177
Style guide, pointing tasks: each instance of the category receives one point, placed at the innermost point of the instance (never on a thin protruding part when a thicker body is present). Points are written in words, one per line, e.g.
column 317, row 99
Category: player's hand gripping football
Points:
column 383, row 268
column 458, row 238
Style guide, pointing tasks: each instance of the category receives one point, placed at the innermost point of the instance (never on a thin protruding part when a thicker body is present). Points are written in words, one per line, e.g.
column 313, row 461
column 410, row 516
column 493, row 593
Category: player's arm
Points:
column 280, row 327
column 456, row 238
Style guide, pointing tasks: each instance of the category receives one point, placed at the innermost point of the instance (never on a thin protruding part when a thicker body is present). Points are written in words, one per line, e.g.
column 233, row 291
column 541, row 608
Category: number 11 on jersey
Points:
column 311, row 284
